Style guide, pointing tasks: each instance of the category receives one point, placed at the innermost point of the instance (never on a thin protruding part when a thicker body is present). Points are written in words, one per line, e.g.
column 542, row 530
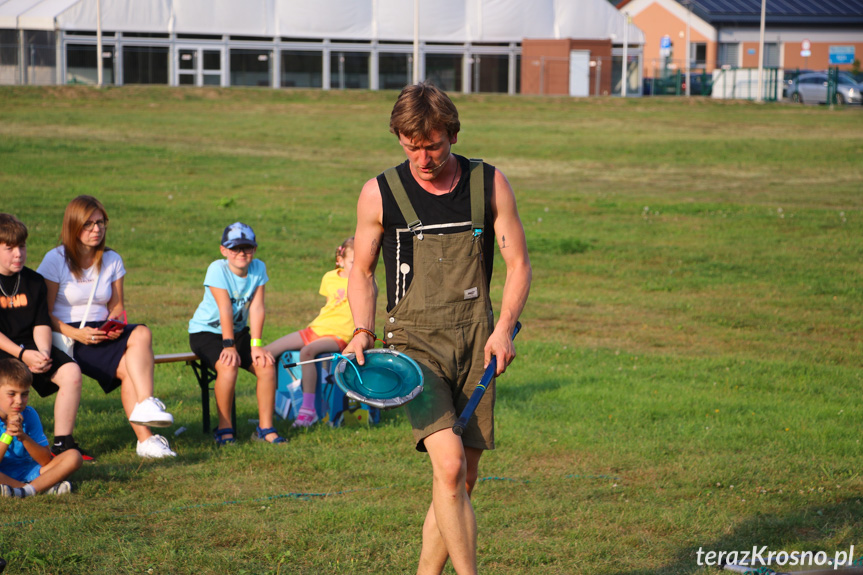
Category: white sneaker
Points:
column 151, row 412
column 61, row 488
column 155, row 447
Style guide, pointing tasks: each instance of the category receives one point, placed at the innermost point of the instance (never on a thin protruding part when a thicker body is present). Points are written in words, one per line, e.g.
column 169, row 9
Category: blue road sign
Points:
column 841, row 54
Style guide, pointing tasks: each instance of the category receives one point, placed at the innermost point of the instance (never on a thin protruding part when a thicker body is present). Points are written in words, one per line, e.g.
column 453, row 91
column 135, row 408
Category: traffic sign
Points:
column 665, row 46
column 841, row 54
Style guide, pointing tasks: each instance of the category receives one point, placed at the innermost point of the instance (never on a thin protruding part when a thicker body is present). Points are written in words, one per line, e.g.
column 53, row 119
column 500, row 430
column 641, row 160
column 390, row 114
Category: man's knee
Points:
column 471, row 478
column 451, row 470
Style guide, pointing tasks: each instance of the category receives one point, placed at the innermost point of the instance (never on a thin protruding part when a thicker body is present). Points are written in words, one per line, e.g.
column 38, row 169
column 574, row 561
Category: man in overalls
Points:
column 436, row 217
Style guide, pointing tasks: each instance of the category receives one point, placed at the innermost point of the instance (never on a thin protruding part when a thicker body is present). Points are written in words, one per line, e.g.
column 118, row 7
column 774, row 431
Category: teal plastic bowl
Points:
column 388, row 379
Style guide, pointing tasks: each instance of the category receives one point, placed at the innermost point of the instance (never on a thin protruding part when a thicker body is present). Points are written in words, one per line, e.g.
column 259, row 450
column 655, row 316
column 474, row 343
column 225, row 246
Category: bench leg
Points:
column 205, row 377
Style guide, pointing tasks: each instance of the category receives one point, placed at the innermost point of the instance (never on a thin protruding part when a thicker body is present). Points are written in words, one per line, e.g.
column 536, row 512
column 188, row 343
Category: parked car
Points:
column 701, row 84
column 812, row 89
column 789, row 77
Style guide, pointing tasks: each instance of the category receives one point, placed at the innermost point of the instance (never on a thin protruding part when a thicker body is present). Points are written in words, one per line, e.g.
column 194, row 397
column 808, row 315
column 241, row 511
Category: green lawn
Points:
column 689, row 373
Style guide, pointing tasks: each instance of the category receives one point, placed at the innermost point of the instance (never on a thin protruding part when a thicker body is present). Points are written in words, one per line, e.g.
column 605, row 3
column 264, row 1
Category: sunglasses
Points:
column 89, row 225
column 248, row 250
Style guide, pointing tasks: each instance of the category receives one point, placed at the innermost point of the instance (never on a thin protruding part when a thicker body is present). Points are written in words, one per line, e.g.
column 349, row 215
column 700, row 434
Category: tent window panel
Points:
column 491, row 73
column 9, row 48
column 302, row 69
column 349, row 70
column 81, row 64
column 213, row 60
column 145, row 65
column 250, row 68
column 188, row 60
column 445, row 71
column 40, row 47
column 395, row 71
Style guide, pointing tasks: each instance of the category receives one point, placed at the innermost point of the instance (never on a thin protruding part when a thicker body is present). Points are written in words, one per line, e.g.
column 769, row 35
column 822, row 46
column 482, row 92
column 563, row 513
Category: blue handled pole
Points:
column 479, row 391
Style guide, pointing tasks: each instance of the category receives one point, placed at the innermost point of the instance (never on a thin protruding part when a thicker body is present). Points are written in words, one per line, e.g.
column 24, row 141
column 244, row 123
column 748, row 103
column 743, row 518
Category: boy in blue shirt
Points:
column 226, row 330
column 26, row 465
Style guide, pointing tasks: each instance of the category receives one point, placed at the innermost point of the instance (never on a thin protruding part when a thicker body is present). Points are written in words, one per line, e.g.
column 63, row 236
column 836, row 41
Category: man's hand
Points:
column 359, row 344
column 500, row 346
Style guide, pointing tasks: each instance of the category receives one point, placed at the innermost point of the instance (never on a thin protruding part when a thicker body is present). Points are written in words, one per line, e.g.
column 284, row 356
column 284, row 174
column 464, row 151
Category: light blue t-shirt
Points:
column 241, row 291
column 17, row 462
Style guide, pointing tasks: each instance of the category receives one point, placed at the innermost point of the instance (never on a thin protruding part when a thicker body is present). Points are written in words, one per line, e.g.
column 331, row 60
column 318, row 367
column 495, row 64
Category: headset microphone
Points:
column 441, row 165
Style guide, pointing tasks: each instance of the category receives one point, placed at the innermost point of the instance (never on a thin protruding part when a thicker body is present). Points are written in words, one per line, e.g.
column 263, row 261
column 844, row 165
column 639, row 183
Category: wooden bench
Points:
column 205, row 376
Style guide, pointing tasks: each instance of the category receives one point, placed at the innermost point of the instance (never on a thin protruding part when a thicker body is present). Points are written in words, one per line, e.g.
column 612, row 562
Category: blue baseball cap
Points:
column 238, row 234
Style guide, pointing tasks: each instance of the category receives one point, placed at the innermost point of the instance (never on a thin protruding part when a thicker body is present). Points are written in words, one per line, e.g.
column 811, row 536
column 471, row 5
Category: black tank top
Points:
column 446, row 214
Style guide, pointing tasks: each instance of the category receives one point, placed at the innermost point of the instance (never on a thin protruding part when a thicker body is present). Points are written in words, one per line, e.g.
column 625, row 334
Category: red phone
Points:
column 114, row 324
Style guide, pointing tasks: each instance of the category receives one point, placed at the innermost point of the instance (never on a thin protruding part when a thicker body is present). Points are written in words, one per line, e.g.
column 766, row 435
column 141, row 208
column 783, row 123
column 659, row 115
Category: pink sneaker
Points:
column 306, row 418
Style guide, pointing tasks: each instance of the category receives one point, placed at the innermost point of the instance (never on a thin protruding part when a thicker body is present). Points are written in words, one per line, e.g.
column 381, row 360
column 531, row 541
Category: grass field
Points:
column 689, row 374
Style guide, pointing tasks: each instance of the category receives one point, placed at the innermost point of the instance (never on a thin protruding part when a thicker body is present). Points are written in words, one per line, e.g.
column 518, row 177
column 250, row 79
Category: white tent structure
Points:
column 465, row 45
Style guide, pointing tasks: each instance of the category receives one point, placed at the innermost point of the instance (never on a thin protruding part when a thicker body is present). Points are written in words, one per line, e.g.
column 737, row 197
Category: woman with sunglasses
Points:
column 85, row 299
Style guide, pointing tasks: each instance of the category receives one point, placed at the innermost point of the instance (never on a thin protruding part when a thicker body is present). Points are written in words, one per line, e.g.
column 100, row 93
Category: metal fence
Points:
column 742, row 84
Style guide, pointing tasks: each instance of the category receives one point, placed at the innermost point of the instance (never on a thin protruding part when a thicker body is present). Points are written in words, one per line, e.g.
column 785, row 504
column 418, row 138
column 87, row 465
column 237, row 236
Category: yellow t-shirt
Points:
column 335, row 317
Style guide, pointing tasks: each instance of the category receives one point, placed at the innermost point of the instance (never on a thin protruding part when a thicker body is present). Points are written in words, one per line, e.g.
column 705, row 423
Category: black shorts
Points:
column 42, row 381
column 208, row 347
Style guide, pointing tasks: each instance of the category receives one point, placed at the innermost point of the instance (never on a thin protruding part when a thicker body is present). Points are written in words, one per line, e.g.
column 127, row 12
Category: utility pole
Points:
column 625, row 68
column 760, row 96
column 416, row 74
column 99, row 66
column 688, row 46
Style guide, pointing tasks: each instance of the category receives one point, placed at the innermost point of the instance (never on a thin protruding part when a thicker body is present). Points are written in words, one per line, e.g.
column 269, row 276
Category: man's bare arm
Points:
column 513, row 247
column 362, row 289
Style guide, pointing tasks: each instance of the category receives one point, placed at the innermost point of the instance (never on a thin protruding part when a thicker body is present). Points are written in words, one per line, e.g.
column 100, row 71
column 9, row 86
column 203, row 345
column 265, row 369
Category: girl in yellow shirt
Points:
column 330, row 331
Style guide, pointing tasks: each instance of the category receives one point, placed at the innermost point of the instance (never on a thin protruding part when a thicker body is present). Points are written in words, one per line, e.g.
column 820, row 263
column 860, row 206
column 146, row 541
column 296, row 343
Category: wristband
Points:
column 21, row 353
column 257, row 343
column 367, row 332
column 6, row 438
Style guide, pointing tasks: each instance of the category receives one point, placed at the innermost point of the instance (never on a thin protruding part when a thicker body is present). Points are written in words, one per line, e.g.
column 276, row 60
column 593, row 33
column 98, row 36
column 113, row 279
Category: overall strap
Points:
column 477, row 196
column 404, row 203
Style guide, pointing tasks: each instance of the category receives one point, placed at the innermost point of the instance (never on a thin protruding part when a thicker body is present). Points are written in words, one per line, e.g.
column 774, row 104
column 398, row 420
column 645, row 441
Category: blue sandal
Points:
column 261, row 434
column 219, row 436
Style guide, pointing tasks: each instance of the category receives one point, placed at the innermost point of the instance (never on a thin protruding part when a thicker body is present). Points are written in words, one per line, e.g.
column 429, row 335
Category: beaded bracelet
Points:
column 367, row 332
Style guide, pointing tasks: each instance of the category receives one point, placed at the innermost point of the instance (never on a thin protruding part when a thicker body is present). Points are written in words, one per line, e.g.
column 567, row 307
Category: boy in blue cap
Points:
column 226, row 330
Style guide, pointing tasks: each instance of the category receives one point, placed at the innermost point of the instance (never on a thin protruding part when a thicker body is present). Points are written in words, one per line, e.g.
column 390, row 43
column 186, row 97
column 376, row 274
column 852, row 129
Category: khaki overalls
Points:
column 444, row 320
